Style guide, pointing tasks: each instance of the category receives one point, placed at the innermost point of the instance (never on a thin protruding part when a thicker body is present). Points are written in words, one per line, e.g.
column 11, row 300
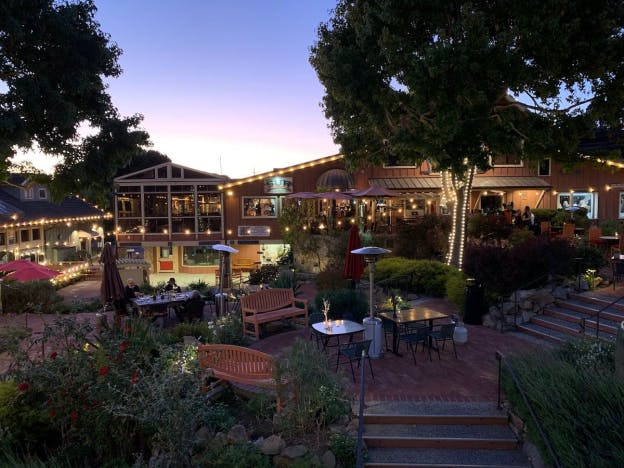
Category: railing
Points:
column 597, row 315
column 359, row 460
column 516, row 303
column 501, row 359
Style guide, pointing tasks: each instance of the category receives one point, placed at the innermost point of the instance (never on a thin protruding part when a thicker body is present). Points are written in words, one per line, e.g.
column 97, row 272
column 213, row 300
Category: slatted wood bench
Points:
column 232, row 363
column 270, row 305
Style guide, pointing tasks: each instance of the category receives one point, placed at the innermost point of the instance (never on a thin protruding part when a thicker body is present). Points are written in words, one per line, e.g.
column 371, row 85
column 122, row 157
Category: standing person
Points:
column 528, row 218
column 172, row 286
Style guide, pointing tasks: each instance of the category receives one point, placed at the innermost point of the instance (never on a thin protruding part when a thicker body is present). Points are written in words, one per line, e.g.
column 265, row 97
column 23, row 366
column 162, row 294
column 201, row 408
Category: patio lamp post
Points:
column 224, row 253
column 372, row 324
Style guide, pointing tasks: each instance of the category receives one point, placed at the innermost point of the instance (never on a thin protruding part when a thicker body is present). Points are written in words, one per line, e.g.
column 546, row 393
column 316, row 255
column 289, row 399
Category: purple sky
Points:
column 224, row 85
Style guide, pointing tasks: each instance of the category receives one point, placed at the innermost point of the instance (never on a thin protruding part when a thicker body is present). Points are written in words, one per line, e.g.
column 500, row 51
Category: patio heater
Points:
column 372, row 325
column 224, row 254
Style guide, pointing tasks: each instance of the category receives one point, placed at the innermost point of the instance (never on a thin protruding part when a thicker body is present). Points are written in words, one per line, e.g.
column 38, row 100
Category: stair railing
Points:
column 359, row 460
column 596, row 314
column 516, row 303
column 501, row 360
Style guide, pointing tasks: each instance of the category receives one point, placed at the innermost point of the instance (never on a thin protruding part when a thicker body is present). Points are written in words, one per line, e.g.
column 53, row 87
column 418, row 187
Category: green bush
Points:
column 610, row 227
column 224, row 330
column 266, row 274
column 426, row 277
column 344, row 447
column 345, row 304
column 287, row 279
column 578, row 400
column 330, row 279
column 244, row 455
column 30, row 296
column 424, row 238
column 201, row 286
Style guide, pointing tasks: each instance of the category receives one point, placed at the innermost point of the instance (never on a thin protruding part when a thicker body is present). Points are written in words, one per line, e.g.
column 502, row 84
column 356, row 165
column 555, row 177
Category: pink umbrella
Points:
column 25, row 270
column 334, row 196
column 303, row 195
column 354, row 264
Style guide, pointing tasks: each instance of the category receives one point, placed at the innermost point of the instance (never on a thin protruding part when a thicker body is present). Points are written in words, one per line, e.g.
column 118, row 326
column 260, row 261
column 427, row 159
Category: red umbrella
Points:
column 25, row 270
column 112, row 287
column 354, row 264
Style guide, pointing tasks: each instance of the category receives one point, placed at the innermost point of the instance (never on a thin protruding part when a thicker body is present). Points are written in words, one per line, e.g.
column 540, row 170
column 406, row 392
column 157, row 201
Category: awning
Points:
column 82, row 233
column 410, row 184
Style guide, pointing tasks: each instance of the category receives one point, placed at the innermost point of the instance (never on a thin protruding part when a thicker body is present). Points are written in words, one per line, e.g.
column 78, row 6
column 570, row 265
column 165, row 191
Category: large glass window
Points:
column 263, row 207
column 209, row 224
column 130, row 225
column 129, row 205
column 200, row 256
column 209, row 204
column 157, row 225
column 183, row 225
column 183, row 205
column 156, row 204
column 576, row 200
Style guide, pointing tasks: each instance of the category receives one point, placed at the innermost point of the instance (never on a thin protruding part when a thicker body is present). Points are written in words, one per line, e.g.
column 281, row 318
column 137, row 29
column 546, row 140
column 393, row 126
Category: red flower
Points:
column 52, row 412
column 53, row 355
column 103, row 370
column 23, row 386
column 135, row 377
column 73, row 415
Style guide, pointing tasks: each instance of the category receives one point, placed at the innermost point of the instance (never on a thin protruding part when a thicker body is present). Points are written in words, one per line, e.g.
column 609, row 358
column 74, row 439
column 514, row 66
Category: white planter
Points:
column 460, row 335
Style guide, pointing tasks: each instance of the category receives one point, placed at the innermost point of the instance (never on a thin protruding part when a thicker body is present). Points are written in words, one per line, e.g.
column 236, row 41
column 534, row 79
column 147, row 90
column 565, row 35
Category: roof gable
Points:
column 171, row 172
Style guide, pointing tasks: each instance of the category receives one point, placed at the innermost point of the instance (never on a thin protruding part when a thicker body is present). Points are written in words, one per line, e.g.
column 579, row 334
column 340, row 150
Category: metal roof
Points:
column 479, row 182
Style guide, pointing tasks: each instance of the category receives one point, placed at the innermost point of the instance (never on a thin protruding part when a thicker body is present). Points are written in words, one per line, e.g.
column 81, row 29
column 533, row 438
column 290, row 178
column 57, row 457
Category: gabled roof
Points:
column 187, row 173
column 282, row 171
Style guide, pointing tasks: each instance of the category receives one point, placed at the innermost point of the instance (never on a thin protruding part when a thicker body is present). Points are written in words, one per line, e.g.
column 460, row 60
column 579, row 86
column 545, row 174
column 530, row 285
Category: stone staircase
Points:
column 561, row 321
column 440, row 434
column 94, row 273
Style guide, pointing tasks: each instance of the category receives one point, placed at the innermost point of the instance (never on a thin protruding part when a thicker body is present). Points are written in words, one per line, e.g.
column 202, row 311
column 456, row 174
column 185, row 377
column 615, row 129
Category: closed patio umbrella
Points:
column 376, row 191
column 112, row 288
column 354, row 264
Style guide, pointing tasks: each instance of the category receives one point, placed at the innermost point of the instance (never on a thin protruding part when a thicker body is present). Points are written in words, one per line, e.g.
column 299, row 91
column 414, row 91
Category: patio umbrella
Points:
column 333, row 196
column 354, row 264
column 302, row 195
column 112, row 287
column 24, row 270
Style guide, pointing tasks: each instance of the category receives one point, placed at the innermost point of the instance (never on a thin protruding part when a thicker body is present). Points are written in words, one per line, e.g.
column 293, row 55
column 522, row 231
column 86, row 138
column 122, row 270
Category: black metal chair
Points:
column 315, row 317
column 353, row 352
column 413, row 335
column 443, row 333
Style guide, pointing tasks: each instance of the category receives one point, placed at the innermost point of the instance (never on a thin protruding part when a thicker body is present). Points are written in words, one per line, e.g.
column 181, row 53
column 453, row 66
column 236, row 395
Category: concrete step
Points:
column 460, row 458
column 598, row 301
column 573, row 329
column 607, row 325
column 548, row 334
column 589, row 309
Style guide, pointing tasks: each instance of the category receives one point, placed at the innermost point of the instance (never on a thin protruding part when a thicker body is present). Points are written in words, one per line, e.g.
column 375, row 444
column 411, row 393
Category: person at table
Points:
column 528, row 218
column 191, row 309
column 172, row 286
column 132, row 290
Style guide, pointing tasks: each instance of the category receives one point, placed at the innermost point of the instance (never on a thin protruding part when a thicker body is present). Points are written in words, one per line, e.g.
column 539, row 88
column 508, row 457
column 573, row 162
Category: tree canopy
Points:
column 456, row 82
column 54, row 60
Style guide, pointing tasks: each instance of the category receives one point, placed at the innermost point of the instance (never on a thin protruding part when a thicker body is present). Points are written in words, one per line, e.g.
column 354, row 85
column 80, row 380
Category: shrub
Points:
column 224, row 330
column 319, row 390
column 287, row 279
column 30, row 296
column 330, row 279
column 421, row 276
column 488, row 227
column 200, row 285
column 456, row 290
column 266, row 274
column 578, row 401
column 345, row 304
column 344, row 448
column 424, row 238
column 610, row 227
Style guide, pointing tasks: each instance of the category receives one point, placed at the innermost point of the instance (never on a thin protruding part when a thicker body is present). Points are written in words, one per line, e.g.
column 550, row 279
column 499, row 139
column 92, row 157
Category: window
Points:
column 543, row 167
column 577, row 200
column 200, row 256
column 29, row 194
column 36, row 234
column 24, row 235
column 259, row 207
column 43, row 194
column 129, row 205
column 621, row 212
column 165, row 252
column 506, row 160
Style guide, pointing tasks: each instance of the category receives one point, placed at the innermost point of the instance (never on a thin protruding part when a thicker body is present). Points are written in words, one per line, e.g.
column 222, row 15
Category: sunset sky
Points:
column 224, row 85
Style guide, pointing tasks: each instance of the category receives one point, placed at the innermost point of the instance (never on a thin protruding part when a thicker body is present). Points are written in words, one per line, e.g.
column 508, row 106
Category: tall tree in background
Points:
column 53, row 62
column 459, row 82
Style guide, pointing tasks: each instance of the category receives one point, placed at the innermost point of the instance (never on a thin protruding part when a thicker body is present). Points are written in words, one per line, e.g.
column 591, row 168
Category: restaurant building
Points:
column 171, row 215
column 34, row 227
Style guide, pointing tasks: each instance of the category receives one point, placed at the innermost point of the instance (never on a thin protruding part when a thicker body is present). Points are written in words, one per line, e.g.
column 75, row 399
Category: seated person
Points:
column 132, row 290
column 172, row 286
column 191, row 309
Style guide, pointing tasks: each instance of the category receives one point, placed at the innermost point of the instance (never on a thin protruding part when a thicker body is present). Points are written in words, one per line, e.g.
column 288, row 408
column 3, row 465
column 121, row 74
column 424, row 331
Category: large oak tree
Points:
column 457, row 82
column 54, row 60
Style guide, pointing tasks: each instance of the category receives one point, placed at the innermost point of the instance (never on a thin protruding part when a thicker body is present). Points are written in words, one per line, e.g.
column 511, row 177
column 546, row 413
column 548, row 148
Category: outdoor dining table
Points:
column 335, row 329
column 403, row 317
column 147, row 304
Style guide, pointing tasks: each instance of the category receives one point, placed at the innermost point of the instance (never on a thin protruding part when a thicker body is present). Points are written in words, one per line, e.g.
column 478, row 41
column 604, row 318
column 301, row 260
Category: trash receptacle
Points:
column 475, row 302
column 373, row 330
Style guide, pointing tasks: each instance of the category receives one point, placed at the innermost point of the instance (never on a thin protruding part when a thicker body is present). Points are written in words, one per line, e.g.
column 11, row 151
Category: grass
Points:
column 578, row 400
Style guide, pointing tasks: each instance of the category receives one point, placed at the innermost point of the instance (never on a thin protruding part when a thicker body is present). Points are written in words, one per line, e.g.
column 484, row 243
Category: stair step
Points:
column 589, row 308
column 544, row 333
column 423, row 457
column 599, row 302
column 573, row 317
column 474, row 443
column 434, row 408
column 573, row 329
column 439, row 419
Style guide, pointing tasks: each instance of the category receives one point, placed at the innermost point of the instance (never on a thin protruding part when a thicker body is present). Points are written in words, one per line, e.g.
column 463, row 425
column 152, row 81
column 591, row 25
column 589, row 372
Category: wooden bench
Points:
column 232, row 363
column 270, row 305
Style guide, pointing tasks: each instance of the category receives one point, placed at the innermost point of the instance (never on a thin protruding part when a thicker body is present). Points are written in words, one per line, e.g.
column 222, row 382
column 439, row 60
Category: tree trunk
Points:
column 456, row 192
